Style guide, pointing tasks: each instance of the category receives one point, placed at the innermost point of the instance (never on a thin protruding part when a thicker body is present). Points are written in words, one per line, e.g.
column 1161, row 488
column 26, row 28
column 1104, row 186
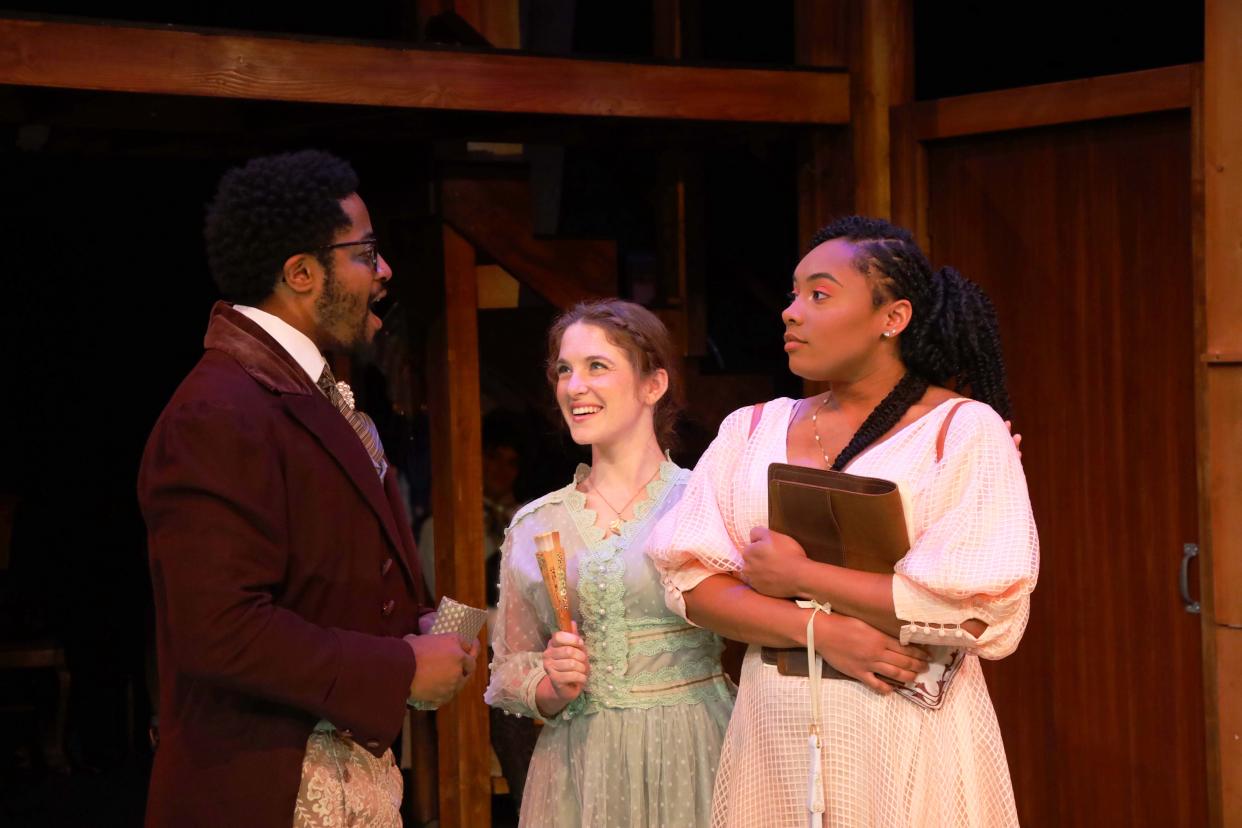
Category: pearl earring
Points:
column 887, row 334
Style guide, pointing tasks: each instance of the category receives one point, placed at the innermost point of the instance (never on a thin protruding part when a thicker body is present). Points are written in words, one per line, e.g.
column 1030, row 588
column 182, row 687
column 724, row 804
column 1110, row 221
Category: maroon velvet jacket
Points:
column 285, row 575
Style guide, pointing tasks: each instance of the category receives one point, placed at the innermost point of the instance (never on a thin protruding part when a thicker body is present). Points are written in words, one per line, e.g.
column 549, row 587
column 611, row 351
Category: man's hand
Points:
column 771, row 563
column 426, row 622
column 445, row 662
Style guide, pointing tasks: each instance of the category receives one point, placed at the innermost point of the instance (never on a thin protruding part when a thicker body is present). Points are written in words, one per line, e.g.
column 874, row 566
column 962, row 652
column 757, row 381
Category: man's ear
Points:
column 301, row 272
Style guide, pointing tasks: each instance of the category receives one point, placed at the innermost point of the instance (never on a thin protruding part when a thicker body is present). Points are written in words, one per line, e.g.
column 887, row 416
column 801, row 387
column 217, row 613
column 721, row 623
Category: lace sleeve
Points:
column 519, row 637
column 978, row 555
column 692, row 541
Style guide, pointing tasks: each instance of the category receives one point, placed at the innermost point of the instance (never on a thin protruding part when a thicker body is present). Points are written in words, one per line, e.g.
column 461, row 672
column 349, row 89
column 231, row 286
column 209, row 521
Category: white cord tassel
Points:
column 815, row 784
column 815, row 805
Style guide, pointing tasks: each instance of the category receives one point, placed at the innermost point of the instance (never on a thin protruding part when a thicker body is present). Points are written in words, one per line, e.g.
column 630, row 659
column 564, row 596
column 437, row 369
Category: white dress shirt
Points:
column 298, row 344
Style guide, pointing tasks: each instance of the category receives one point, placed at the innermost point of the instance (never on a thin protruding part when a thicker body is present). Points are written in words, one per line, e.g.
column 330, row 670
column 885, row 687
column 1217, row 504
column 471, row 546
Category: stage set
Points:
column 1082, row 163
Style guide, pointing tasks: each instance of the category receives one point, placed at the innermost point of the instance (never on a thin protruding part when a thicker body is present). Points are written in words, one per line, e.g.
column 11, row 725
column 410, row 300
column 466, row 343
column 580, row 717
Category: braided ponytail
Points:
column 961, row 343
column 883, row 417
column 952, row 338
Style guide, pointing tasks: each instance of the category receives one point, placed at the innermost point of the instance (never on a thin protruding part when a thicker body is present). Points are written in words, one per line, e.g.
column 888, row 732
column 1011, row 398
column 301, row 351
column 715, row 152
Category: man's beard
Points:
column 337, row 312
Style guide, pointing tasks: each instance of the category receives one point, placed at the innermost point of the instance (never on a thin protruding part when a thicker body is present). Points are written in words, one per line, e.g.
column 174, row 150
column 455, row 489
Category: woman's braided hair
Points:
column 952, row 338
column 642, row 335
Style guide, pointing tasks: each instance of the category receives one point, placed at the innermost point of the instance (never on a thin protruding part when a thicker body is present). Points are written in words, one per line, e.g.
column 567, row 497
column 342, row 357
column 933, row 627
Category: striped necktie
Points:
column 363, row 425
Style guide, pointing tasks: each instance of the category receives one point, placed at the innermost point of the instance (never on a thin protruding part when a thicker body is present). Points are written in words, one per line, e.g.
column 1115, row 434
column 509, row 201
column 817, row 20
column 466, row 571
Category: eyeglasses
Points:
column 371, row 253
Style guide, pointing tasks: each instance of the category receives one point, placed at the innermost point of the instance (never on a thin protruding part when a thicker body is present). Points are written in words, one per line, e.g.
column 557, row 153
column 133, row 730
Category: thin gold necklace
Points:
column 815, row 429
column 614, row 525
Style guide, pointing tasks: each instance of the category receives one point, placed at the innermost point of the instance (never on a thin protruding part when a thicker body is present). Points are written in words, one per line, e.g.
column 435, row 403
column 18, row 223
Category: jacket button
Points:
column 388, row 607
column 386, row 567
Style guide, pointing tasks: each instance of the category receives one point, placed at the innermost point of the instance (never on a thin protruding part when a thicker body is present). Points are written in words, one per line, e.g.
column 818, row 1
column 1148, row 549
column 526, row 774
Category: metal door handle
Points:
column 1189, row 551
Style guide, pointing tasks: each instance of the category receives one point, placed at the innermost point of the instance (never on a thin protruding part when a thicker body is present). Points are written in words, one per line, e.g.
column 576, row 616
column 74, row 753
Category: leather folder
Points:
column 840, row 519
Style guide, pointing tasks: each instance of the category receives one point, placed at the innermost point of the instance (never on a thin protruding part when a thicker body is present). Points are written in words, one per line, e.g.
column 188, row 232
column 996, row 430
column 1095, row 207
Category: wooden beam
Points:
column 824, row 31
column 494, row 214
column 850, row 171
column 1089, row 99
column 1220, row 404
column 666, row 28
column 457, row 504
column 681, row 213
column 825, row 170
column 910, row 193
column 225, row 65
column 882, row 76
column 825, row 157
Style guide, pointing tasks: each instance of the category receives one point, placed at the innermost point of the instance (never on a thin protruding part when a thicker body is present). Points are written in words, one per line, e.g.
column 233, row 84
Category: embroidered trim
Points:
column 929, row 633
column 601, row 583
column 671, row 641
column 676, row 673
column 716, row 687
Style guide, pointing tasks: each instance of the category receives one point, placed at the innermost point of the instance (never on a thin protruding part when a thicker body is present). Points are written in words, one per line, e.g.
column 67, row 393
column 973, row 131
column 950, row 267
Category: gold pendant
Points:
column 615, row 526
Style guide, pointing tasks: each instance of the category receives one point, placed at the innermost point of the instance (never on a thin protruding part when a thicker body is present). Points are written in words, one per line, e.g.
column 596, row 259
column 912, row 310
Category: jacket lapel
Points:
column 271, row 366
column 409, row 551
column 336, row 435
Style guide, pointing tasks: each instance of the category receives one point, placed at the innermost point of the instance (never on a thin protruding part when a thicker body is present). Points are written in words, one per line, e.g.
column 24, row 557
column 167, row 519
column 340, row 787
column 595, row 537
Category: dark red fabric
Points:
column 268, row 533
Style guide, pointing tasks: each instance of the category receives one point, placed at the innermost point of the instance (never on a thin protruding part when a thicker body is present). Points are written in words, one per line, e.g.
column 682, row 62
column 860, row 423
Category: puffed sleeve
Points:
column 693, row 541
column 978, row 555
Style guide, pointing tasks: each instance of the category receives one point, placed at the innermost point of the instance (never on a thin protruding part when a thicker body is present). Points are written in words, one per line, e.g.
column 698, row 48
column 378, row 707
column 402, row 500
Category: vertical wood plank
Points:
column 881, row 76
column 1211, row 716
column 822, row 32
column 681, row 206
column 826, row 172
column 1222, row 148
column 1220, row 434
column 457, row 503
column 909, row 170
column 666, row 29
column 825, row 181
column 1228, row 681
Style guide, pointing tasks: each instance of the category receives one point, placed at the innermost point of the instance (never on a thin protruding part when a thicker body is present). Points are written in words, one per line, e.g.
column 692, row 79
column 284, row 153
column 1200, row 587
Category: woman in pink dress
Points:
column 890, row 337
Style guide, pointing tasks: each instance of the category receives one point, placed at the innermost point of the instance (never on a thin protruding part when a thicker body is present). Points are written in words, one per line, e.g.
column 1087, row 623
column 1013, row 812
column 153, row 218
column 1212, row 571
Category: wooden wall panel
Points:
column 1081, row 234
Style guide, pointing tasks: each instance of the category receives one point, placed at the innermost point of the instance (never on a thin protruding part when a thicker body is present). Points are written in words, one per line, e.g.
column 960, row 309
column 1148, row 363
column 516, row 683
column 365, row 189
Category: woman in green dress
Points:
column 635, row 704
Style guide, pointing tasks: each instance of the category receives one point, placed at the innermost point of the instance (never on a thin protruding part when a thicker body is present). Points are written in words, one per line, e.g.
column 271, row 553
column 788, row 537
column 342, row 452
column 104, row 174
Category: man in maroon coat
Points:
column 287, row 593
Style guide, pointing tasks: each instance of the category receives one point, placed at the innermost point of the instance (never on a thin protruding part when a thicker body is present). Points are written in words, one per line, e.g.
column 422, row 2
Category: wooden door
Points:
column 1082, row 236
